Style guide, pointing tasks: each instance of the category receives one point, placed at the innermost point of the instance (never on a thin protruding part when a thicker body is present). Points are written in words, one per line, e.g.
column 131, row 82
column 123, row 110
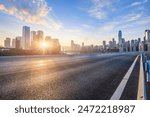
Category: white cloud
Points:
column 138, row 3
column 132, row 17
column 30, row 11
column 99, row 14
column 86, row 26
column 127, row 21
column 98, row 9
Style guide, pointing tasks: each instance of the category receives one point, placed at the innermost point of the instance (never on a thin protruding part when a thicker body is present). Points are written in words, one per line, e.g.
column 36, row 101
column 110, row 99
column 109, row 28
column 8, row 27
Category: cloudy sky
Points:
column 89, row 21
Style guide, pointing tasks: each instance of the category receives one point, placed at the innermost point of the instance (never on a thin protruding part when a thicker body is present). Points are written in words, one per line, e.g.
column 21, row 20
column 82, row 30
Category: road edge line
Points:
column 118, row 92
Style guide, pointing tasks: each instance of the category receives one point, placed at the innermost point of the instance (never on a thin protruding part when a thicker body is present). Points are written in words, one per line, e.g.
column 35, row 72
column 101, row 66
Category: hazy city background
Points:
column 90, row 22
column 35, row 42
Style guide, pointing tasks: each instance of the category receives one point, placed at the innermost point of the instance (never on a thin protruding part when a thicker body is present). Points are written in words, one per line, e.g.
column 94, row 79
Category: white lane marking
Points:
column 141, row 88
column 117, row 94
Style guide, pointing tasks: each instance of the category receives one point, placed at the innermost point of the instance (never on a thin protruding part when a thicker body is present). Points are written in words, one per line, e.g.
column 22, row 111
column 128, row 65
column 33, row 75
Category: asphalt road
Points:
column 66, row 77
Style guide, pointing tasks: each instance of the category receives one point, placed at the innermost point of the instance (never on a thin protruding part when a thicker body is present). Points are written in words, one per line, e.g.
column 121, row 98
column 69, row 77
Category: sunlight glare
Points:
column 44, row 44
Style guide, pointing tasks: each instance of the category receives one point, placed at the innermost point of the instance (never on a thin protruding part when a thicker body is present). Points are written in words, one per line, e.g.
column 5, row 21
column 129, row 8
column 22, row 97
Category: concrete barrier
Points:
column 141, row 86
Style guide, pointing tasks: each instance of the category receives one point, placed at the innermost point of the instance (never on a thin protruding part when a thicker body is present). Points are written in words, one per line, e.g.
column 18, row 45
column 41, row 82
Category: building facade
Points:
column 120, row 41
column 14, row 43
column 25, row 42
column 18, row 42
column 7, row 42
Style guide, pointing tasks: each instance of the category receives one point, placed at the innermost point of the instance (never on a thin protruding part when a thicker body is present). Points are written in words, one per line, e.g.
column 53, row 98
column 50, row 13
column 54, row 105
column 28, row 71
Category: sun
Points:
column 44, row 44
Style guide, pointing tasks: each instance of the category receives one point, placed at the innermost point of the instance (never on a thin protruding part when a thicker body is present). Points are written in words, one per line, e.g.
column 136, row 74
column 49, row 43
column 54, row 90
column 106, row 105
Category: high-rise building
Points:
column 127, row 46
column 40, row 35
column 120, row 37
column 48, row 38
column 72, row 43
column 136, row 45
column 75, row 47
column 104, row 45
column 25, row 41
column 34, row 40
column 14, row 43
column 33, row 36
column 132, row 47
column 7, row 42
column 139, row 40
column 147, row 36
column 18, row 42
column 114, row 43
column 82, row 44
column 120, row 44
column 110, row 45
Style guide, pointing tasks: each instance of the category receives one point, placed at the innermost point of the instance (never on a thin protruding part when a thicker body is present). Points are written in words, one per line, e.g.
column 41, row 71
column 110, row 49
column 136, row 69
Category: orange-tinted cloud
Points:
column 31, row 11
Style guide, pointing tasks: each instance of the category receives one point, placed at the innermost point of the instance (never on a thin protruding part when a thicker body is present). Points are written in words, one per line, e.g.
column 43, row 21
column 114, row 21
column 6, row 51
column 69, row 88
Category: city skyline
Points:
column 90, row 21
column 28, row 36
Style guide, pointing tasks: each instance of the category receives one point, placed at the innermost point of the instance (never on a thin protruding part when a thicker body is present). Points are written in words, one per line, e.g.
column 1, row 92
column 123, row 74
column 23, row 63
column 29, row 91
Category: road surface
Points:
column 67, row 77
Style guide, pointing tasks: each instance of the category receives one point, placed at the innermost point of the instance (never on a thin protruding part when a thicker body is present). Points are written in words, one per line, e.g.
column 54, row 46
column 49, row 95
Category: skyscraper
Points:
column 139, row 40
column 132, row 49
column 147, row 35
column 33, row 36
column 120, row 41
column 7, row 42
column 104, row 45
column 120, row 37
column 40, row 35
column 114, row 43
column 14, row 43
column 34, row 40
column 25, row 42
column 18, row 42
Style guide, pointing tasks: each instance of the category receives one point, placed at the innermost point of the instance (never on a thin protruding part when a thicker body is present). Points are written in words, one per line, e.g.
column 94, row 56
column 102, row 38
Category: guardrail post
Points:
column 144, row 58
column 148, row 71
column 145, row 64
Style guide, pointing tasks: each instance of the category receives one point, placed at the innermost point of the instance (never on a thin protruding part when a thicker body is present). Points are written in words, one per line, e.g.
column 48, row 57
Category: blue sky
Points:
column 89, row 21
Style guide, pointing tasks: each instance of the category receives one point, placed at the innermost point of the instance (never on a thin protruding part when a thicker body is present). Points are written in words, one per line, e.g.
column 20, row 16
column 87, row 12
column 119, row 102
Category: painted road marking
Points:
column 117, row 94
column 141, row 87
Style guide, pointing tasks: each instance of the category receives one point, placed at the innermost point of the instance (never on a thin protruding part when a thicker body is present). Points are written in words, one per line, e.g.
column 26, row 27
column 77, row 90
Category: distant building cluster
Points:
column 76, row 48
column 32, row 40
column 135, row 44
column 112, row 46
column 129, row 46
column 14, row 43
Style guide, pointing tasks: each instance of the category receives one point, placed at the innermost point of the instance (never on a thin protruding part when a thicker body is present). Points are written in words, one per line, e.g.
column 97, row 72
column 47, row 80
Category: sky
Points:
column 88, row 21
